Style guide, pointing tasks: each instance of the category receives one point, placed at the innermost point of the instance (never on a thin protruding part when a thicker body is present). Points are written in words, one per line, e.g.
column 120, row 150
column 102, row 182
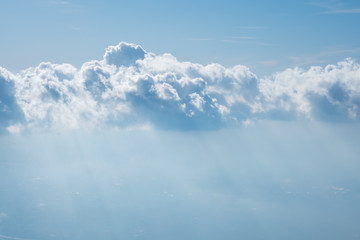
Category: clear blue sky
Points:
column 264, row 35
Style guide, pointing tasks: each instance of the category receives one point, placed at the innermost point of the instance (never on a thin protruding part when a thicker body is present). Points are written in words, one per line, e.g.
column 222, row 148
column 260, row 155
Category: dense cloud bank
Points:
column 131, row 87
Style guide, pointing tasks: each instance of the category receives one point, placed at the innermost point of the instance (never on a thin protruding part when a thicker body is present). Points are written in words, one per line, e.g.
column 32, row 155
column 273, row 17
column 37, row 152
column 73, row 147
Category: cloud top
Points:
column 123, row 54
column 132, row 87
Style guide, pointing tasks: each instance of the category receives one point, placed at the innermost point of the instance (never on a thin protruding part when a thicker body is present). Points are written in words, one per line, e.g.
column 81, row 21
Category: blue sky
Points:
column 179, row 120
column 266, row 36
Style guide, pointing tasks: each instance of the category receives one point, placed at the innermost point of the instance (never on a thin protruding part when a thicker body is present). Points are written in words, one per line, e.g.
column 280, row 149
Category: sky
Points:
column 266, row 36
column 179, row 120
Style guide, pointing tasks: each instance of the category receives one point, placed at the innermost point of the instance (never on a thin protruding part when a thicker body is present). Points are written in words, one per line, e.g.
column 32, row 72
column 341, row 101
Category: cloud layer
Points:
column 132, row 87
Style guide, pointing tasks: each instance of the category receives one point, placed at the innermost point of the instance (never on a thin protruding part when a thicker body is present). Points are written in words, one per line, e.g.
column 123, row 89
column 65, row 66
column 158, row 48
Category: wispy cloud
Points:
column 235, row 39
column 268, row 62
column 229, row 39
column 74, row 28
column 66, row 7
column 336, row 7
column 199, row 39
column 251, row 27
column 343, row 11
column 13, row 238
column 244, row 37
column 57, row 2
column 247, row 41
column 322, row 57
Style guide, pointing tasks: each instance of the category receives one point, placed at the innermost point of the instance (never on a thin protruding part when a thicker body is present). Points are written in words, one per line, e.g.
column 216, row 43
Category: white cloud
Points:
column 329, row 93
column 13, row 238
column 123, row 54
column 338, row 188
column 132, row 87
column 14, row 128
column 197, row 101
column 54, row 95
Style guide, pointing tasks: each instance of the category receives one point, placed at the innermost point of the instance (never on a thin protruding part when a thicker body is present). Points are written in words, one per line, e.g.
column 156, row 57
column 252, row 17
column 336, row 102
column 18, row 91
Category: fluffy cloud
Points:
column 132, row 87
column 123, row 54
column 331, row 93
column 10, row 111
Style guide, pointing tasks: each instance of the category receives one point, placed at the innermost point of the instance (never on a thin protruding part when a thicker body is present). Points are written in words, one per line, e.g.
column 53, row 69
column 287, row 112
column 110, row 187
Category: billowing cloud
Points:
column 331, row 93
column 10, row 111
column 123, row 54
column 130, row 86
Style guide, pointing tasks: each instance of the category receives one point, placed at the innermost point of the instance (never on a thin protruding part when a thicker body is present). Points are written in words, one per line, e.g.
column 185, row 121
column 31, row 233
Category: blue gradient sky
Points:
column 266, row 36
column 173, row 120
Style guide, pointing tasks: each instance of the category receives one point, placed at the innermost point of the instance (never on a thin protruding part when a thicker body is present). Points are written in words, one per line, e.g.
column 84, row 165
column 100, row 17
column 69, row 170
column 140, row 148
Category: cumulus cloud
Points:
column 10, row 111
column 123, row 54
column 132, row 87
column 331, row 93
